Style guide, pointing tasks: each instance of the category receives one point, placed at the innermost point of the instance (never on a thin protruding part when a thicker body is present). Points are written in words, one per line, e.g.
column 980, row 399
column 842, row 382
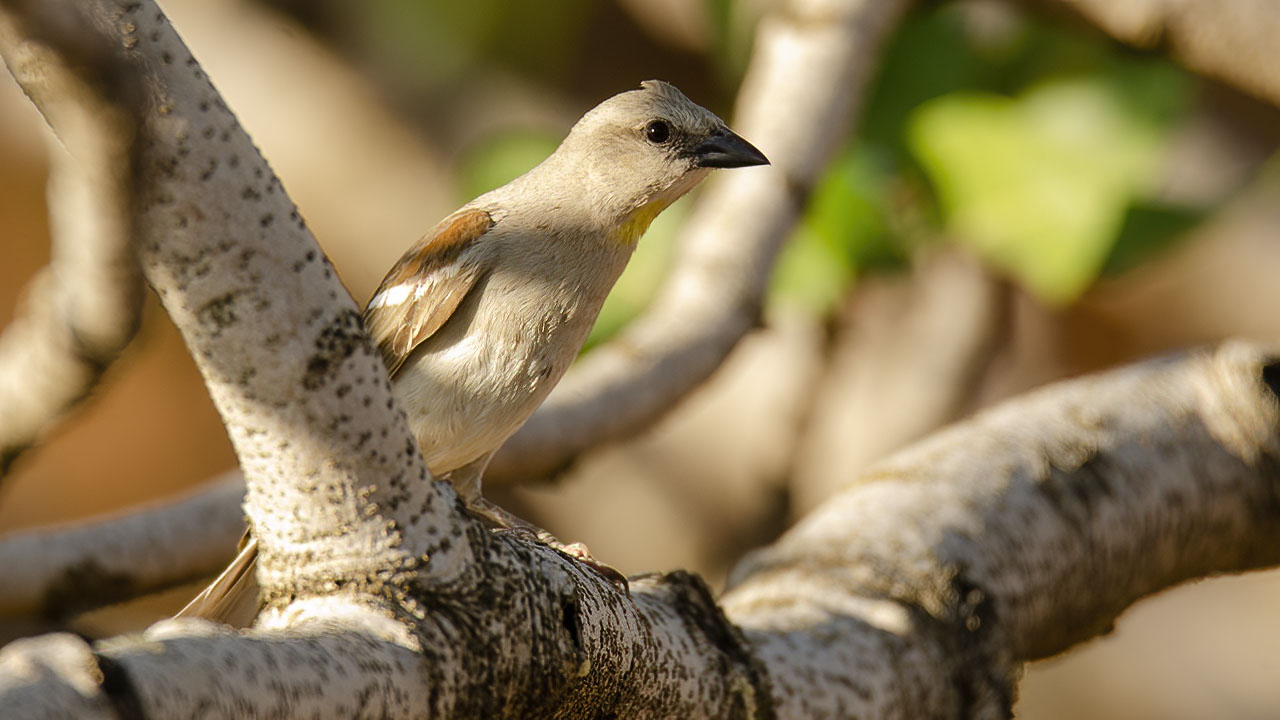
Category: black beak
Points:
column 724, row 149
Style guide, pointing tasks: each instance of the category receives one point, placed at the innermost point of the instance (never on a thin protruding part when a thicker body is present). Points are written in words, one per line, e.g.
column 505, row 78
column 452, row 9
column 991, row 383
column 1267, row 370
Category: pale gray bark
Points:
column 57, row 571
column 916, row 593
column 1015, row 535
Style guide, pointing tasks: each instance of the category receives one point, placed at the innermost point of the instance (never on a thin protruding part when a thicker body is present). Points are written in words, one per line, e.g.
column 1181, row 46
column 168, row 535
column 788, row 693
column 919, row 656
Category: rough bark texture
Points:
column 1017, row 534
column 275, row 335
column 917, row 592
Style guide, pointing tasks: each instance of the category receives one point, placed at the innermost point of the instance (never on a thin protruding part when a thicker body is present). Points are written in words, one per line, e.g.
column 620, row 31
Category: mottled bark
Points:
column 918, row 592
column 1016, row 535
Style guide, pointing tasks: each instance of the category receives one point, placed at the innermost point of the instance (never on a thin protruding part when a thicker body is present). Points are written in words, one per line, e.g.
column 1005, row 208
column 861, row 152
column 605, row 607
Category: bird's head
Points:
column 641, row 150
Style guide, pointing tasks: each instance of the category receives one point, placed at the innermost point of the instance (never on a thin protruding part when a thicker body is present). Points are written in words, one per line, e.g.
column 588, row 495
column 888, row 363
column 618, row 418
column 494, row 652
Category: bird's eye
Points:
column 657, row 131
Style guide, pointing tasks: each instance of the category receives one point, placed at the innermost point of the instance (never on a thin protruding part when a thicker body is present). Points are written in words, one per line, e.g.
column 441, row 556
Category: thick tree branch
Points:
column 275, row 335
column 279, row 342
column 54, row 572
column 84, row 307
column 916, row 593
column 920, row 590
column 714, row 294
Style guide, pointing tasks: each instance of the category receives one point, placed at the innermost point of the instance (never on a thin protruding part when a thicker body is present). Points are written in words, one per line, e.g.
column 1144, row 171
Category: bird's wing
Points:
column 426, row 285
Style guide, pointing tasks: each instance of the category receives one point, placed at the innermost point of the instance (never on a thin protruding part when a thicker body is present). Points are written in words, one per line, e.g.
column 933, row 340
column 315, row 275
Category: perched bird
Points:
column 481, row 317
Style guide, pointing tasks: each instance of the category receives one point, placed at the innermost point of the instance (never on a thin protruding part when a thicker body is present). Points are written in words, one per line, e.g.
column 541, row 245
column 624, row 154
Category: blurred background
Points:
column 1022, row 199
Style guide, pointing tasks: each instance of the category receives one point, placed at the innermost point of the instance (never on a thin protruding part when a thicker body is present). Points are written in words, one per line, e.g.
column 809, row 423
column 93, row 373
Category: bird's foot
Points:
column 582, row 554
column 506, row 522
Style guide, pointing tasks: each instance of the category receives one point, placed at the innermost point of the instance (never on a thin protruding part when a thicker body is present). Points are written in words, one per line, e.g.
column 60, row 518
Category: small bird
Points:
column 481, row 317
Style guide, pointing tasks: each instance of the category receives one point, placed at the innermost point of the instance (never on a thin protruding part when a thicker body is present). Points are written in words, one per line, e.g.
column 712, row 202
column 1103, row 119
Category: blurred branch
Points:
column 59, row 571
column 713, row 297
column 82, row 309
column 1234, row 41
column 921, row 589
column 908, row 358
column 917, row 593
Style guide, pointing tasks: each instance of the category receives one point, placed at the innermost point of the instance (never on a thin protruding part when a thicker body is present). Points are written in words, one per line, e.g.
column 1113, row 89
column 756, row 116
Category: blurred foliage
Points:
column 733, row 26
column 844, row 229
column 1148, row 229
column 1038, row 184
column 1036, row 146
column 500, row 158
column 430, row 41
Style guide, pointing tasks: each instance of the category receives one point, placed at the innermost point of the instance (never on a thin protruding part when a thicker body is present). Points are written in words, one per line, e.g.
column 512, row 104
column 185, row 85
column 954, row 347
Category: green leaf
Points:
column 930, row 56
column 1038, row 185
column 843, row 231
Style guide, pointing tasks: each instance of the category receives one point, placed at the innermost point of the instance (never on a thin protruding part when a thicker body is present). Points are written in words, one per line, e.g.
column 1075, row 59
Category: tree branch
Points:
column 55, row 572
column 713, row 297
column 276, row 337
column 920, row 590
column 84, row 307
column 917, row 592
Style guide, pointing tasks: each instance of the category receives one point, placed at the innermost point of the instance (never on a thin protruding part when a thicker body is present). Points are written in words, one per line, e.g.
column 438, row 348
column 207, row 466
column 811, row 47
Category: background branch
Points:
column 880, row 391
column 83, row 309
column 56, row 571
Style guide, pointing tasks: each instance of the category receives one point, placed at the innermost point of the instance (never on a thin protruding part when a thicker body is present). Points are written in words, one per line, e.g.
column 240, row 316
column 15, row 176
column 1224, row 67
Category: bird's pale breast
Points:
column 476, row 381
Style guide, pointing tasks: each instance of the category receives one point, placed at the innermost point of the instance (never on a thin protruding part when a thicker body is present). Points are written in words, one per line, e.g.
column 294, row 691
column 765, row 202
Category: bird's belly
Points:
column 464, row 398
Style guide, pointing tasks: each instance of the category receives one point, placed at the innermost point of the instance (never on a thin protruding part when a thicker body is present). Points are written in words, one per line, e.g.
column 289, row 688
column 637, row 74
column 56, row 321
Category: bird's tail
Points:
column 232, row 597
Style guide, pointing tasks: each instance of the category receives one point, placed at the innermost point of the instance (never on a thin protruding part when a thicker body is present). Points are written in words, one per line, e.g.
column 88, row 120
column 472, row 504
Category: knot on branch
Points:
column 694, row 602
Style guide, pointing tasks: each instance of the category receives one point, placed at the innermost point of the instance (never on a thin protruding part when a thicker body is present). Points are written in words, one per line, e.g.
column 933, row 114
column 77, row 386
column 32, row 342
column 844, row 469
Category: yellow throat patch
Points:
column 639, row 222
